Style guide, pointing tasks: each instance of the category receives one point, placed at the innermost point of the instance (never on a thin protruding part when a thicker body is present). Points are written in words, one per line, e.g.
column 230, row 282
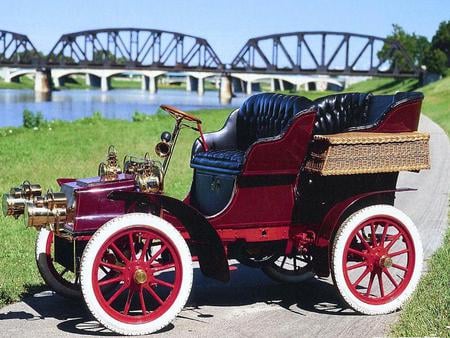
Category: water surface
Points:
column 115, row 104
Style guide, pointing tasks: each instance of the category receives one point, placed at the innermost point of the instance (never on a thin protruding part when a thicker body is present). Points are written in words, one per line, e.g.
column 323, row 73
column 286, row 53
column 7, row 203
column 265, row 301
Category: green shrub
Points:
column 33, row 120
column 140, row 117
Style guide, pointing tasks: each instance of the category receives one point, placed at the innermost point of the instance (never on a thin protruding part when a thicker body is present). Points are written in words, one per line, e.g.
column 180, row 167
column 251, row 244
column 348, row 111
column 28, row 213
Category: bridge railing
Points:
column 134, row 48
column 323, row 53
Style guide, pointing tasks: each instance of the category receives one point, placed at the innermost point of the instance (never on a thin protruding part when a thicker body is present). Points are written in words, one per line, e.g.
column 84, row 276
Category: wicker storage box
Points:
column 367, row 153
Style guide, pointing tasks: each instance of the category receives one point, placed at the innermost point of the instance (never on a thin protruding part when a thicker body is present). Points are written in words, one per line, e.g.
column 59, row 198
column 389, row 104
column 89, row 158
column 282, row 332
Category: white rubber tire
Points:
column 42, row 261
column 94, row 245
column 339, row 243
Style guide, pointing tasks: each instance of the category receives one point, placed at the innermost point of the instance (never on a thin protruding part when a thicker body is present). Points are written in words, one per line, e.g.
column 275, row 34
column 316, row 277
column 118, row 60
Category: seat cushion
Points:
column 226, row 161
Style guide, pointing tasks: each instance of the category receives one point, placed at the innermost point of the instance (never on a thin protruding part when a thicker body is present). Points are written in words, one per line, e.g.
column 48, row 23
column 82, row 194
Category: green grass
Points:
column 24, row 82
column 427, row 313
column 75, row 150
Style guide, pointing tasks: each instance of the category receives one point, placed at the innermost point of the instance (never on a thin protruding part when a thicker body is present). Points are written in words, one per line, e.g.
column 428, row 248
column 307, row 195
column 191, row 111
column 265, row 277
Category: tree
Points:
column 435, row 60
column 414, row 45
column 441, row 40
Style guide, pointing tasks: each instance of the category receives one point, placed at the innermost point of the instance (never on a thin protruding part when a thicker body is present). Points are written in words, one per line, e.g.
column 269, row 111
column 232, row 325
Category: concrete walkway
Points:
column 252, row 305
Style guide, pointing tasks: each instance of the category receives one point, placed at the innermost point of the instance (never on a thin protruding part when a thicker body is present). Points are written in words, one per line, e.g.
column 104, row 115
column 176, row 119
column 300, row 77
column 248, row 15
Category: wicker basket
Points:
column 368, row 153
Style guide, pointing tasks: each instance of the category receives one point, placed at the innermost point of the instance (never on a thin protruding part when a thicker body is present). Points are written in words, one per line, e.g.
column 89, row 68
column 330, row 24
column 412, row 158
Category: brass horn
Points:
column 162, row 148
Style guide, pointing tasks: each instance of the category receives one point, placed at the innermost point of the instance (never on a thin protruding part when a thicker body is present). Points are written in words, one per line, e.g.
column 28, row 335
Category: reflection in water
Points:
column 114, row 104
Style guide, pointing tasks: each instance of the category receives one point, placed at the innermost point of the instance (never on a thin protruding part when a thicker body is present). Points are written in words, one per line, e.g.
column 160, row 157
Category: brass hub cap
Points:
column 140, row 277
column 386, row 261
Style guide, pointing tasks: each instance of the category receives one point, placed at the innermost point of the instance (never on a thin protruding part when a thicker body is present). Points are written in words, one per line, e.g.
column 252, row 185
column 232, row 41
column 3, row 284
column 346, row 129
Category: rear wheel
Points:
column 290, row 269
column 136, row 274
column 59, row 278
column 377, row 259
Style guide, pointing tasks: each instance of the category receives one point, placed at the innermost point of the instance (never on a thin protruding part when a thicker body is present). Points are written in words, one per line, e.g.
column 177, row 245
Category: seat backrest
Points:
column 356, row 111
column 266, row 115
column 337, row 113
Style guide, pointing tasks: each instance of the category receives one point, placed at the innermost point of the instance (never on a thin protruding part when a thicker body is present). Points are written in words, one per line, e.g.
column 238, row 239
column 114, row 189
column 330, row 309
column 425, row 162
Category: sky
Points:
column 227, row 25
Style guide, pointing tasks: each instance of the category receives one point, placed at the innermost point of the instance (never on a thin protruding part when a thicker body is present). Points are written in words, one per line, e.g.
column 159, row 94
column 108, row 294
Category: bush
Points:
column 33, row 120
column 140, row 117
column 436, row 61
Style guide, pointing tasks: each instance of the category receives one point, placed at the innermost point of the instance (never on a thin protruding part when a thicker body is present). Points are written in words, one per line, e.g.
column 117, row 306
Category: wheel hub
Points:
column 140, row 276
column 385, row 261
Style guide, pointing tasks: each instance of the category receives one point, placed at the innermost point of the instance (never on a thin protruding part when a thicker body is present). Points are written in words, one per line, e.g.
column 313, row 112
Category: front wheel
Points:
column 376, row 259
column 136, row 274
column 60, row 279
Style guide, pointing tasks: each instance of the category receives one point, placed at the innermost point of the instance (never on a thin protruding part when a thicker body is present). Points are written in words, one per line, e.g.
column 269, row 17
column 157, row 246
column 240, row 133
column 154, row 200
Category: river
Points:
column 115, row 104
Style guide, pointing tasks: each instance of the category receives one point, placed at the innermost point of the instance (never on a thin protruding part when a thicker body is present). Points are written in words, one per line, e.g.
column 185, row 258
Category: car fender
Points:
column 331, row 222
column 210, row 250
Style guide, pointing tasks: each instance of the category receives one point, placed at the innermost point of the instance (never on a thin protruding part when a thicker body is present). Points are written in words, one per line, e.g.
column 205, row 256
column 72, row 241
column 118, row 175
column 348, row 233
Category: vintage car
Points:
column 298, row 188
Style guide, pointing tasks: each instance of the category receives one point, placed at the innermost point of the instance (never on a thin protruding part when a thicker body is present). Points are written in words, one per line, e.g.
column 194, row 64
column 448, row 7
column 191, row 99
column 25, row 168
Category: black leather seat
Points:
column 260, row 116
column 267, row 115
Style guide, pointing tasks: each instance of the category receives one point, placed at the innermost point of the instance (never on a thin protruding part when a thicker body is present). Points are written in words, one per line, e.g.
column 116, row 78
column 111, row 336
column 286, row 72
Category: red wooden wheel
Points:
column 377, row 259
column 136, row 274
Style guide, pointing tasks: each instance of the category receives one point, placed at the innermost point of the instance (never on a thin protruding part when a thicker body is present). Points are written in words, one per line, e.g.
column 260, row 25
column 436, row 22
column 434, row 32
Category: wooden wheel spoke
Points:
column 111, row 266
column 145, row 248
column 157, row 254
column 363, row 241
column 283, row 262
column 111, row 281
column 383, row 236
column 162, row 267
column 358, row 265
column 162, row 282
column 391, row 278
column 364, row 274
column 126, row 309
column 380, row 283
column 154, row 295
column 373, row 229
column 393, row 241
column 356, row 252
column 142, row 301
column 131, row 243
column 369, row 287
column 119, row 253
column 403, row 268
column 401, row 252
column 117, row 294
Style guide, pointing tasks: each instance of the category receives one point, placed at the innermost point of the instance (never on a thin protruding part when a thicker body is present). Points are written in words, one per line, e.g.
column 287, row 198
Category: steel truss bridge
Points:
column 322, row 52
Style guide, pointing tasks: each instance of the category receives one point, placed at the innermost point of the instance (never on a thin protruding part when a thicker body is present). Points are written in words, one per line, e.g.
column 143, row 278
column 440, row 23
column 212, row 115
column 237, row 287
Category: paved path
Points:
column 252, row 305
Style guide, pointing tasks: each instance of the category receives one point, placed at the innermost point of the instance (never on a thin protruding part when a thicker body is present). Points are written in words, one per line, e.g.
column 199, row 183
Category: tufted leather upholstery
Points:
column 341, row 112
column 230, row 161
column 266, row 115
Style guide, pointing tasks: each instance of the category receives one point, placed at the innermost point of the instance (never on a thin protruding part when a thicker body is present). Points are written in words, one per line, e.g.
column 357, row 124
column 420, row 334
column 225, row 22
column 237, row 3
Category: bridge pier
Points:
column 145, row 82
column 195, row 84
column 153, row 84
column 105, row 83
column 42, row 81
column 225, row 92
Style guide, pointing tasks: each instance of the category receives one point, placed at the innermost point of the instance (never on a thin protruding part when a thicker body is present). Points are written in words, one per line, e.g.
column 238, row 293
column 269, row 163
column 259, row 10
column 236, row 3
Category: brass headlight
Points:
column 13, row 204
